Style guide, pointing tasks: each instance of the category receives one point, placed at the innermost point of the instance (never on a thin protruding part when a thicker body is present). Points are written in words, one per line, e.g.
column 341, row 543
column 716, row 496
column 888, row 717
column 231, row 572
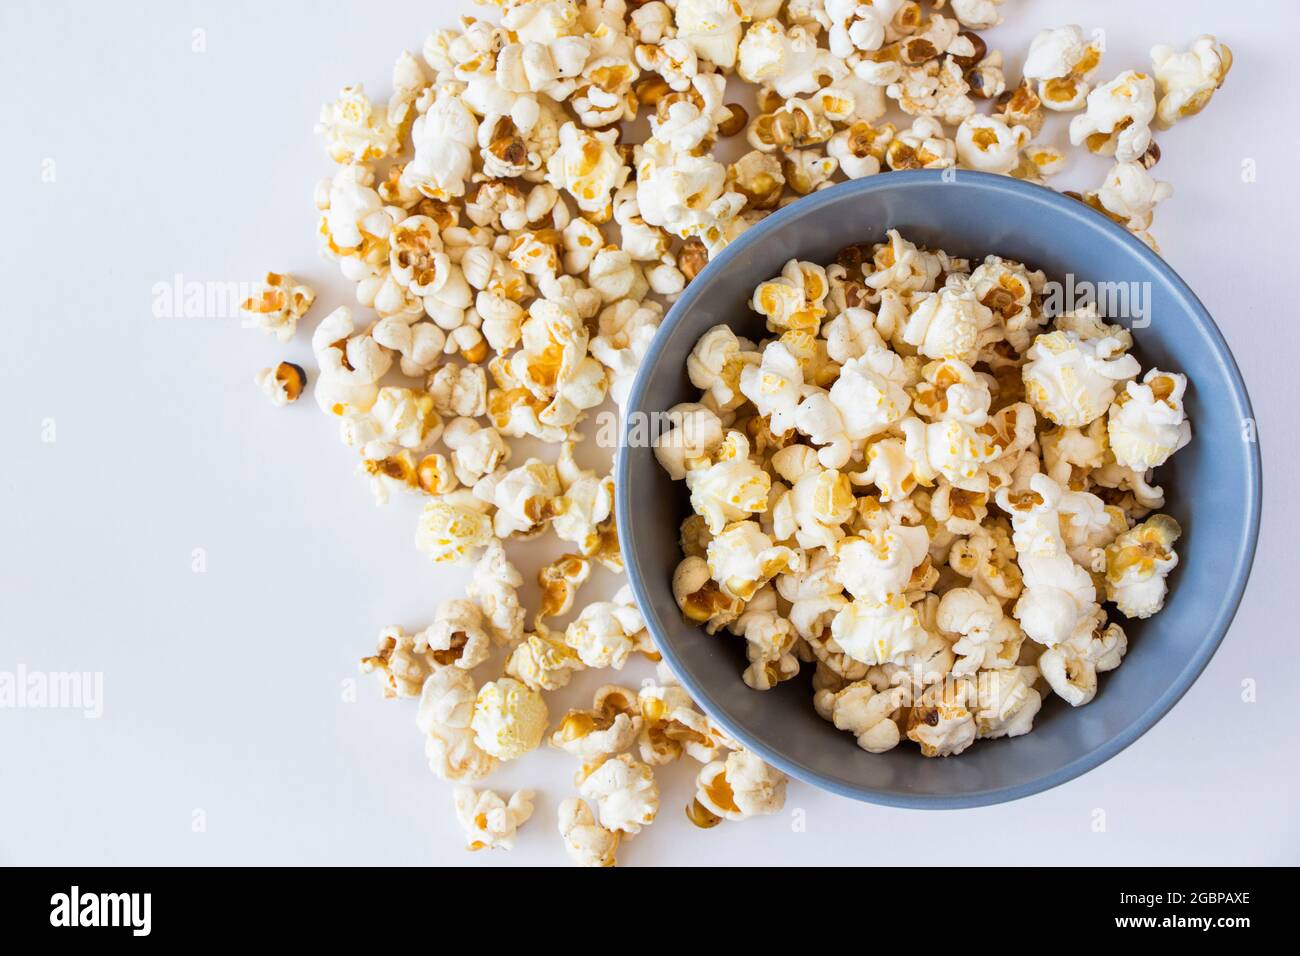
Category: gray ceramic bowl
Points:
column 972, row 215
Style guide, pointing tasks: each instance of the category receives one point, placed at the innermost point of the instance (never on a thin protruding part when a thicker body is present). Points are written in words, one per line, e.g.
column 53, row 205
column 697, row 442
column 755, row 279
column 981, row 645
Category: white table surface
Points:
column 225, row 692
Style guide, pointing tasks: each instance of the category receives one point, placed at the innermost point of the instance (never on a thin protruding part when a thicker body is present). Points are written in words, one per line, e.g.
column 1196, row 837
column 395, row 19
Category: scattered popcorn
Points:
column 1062, row 62
column 740, row 787
column 401, row 661
column 489, row 821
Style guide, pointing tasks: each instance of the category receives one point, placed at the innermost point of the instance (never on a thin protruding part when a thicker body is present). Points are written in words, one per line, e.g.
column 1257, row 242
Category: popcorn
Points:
column 542, row 660
column 795, row 300
column 585, row 504
column 817, row 505
column 1137, row 564
column 790, row 62
column 624, row 791
column 1072, row 378
column 671, row 726
column 398, row 418
column 401, row 662
column 685, row 194
column 740, row 787
column 1187, row 80
column 586, row 841
column 489, row 821
column 1062, row 63
column 742, row 559
column 611, row 726
column 879, row 632
column 494, row 587
column 509, row 718
column 860, row 148
column 606, row 633
column 988, row 639
column 350, row 365
column 476, row 450
column 1117, row 120
column 975, row 14
column 730, row 487
column 282, row 384
column 280, row 302
column 588, row 167
column 950, row 323
column 453, row 526
column 923, row 146
column 988, row 144
column 866, row 713
column 457, row 637
column 942, row 730
column 881, row 563
column 445, row 138
column 1071, row 669
column 353, row 134
column 934, row 89
column 699, row 597
column 524, row 497
column 1130, row 195
column 1147, row 422
column 712, row 28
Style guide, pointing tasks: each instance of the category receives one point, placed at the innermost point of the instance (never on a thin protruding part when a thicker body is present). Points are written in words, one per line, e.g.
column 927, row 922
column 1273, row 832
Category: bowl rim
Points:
column 1080, row 213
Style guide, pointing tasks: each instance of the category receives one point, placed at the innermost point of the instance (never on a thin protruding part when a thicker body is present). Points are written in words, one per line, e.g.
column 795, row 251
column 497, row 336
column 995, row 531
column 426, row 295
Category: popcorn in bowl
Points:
column 918, row 633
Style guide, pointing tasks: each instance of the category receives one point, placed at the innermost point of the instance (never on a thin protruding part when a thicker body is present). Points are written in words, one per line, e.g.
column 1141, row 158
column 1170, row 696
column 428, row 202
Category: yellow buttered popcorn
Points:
column 509, row 718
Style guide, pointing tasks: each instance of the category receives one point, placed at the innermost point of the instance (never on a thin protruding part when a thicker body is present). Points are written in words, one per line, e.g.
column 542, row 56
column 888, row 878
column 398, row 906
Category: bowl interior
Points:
column 972, row 215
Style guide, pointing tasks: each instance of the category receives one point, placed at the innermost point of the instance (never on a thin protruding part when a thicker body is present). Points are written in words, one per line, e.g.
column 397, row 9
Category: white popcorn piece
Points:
column 524, row 497
column 686, row 123
column 1061, row 61
column 607, row 633
column 1059, row 596
column 625, row 793
column 586, row 841
column 398, row 418
column 1008, row 702
column 774, row 386
column 950, row 323
column 542, row 660
column 935, row 89
column 730, row 487
column 742, row 559
column 1188, row 79
column 280, row 301
column 794, row 300
column 685, row 194
column 879, row 632
column 988, row 144
column 453, row 754
column 457, row 637
column 1117, row 121
column 588, row 167
column 494, row 587
column 1072, row 379
column 975, row 14
column 446, row 700
column 1147, row 422
column 350, row 365
column 1130, row 195
column 282, row 384
column 1071, row 669
column 817, row 505
column 671, row 726
column 881, row 563
column 488, row 820
column 922, row 146
column 988, row 639
column 509, row 718
column 1137, row 564
column 712, row 28
column 445, row 138
column 694, row 432
column 942, row 730
column 611, row 726
column 452, row 527
column 401, row 662
column 866, row 713
column 740, row 787
column 788, row 61
column 352, row 131
column 476, row 450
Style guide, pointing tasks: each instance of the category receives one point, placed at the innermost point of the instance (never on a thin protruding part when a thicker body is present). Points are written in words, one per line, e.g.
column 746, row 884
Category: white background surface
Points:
column 224, row 691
